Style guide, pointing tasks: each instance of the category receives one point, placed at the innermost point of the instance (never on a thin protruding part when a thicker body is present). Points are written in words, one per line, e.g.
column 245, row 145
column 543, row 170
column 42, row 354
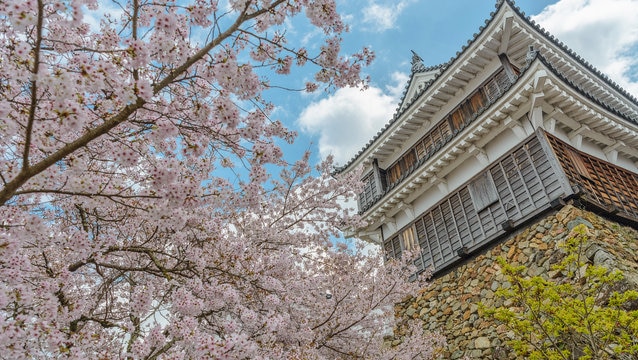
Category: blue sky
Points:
column 604, row 32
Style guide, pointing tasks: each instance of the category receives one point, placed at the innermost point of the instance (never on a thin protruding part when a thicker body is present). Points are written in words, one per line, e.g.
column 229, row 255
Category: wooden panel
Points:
column 436, row 137
column 392, row 248
column 460, row 220
column 426, row 252
column 498, row 215
column 433, row 240
column 446, row 131
column 421, row 150
column 408, row 160
column 458, row 119
column 394, row 173
column 441, row 236
column 478, row 100
column 487, row 222
column 517, row 184
column 505, row 192
column 451, row 230
column 476, row 230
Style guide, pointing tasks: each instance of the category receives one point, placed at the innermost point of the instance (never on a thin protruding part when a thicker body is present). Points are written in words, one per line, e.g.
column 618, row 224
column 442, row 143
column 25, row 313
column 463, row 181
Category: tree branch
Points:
column 27, row 173
column 34, row 88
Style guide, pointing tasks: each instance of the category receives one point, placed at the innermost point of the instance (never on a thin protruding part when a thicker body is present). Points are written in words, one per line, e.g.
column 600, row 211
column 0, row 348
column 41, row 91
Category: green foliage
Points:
column 576, row 315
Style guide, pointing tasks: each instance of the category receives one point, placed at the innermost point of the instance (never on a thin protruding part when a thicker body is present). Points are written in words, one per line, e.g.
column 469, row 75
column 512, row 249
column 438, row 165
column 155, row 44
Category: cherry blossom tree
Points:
column 122, row 234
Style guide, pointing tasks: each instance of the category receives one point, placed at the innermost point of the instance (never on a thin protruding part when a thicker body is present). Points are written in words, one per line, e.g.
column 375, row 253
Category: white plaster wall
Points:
column 627, row 163
column 562, row 135
column 464, row 172
column 501, row 144
column 592, row 149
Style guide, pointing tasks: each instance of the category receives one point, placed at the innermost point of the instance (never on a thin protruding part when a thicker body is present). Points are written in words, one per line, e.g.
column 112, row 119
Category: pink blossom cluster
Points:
column 124, row 234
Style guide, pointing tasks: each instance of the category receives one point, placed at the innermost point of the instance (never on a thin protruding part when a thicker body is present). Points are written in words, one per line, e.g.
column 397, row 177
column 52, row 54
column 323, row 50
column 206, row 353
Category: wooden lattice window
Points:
column 369, row 193
column 446, row 131
column 495, row 87
column 601, row 181
column 421, row 150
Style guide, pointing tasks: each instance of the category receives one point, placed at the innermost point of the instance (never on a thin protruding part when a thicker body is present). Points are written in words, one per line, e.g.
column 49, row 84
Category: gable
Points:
column 420, row 79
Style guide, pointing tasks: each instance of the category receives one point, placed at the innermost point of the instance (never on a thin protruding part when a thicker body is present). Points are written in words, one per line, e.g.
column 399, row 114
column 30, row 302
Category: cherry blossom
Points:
column 141, row 212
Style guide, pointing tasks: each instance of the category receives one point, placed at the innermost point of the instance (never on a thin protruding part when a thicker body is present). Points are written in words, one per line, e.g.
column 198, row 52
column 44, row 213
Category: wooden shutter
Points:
column 483, row 191
column 394, row 173
column 392, row 248
column 369, row 193
column 421, row 150
column 409, row 159
column 579, row 164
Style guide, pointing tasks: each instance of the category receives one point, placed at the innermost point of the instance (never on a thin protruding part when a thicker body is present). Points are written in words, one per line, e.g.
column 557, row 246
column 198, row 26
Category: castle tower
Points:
column 513, row 126
column 480, row 159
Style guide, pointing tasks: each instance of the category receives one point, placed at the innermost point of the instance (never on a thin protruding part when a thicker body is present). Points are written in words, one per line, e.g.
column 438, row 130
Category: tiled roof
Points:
column 405, row 104
column 583, row 92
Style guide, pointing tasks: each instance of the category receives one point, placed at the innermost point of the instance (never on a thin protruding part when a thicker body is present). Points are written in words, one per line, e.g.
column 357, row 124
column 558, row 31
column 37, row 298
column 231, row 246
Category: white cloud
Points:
column 400, row 81
column 93, row 17
column 381, row 17
column 603, row 32
column 310, row 38
column 349, row 118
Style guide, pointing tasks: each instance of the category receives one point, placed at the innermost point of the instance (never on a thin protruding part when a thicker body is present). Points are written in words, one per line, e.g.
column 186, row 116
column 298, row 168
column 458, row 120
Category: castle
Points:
column 479, row 162
column 513, row 126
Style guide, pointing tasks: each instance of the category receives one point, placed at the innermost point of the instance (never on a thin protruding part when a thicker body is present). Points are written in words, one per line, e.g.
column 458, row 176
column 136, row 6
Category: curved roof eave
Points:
column 579, row 59
column 584, row 92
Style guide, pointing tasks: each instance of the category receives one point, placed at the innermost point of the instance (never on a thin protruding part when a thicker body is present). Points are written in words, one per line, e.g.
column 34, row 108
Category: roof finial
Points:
column 417, row 62
column 531, row 54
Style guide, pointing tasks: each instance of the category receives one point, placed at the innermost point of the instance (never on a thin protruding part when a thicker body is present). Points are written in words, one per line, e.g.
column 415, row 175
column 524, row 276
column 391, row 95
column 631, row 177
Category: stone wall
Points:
column 450, row 304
